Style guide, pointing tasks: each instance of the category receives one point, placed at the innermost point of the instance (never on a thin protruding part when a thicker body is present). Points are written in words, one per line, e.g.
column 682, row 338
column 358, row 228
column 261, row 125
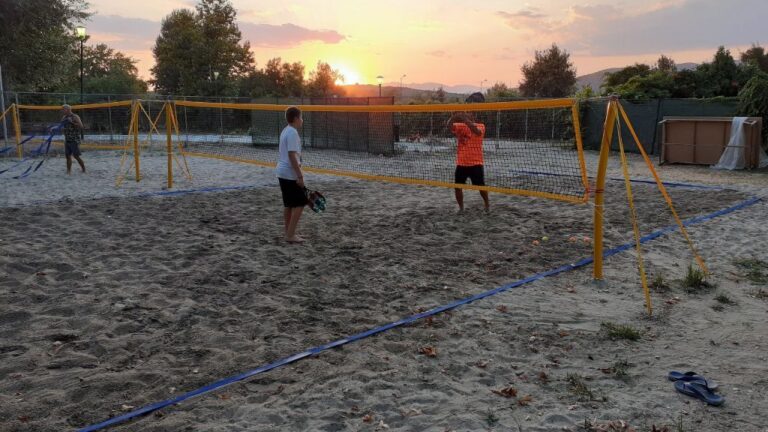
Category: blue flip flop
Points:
column 699, row 391
column 691, row 377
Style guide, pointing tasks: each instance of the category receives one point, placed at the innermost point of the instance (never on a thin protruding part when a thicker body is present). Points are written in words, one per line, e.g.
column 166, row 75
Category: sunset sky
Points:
column 454, row 42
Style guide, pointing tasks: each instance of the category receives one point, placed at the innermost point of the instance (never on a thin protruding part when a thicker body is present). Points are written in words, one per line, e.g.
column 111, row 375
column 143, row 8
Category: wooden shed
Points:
column 702, row 140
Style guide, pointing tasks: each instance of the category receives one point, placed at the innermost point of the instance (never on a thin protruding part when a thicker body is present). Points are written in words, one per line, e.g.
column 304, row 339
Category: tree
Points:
column 200, row 53
column 176, row 48
column 36, row 41
column 586, row 92
column 293, row 79
column 499, row 92
column 666, row 64
column 106, row 71
column 551, row 74
column 753, row 99
column 686, row 84
column 440, row 94
column 274, row 74
column 615, row 79
column 254, row 85
column 658, row 84
column 756, row 56
column 322, row 81
column 719, row 78
column 222, row 49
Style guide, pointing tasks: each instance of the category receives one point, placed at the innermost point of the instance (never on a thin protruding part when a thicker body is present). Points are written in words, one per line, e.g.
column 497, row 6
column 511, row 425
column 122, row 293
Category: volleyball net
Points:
column 105, row 125
column 530, row 148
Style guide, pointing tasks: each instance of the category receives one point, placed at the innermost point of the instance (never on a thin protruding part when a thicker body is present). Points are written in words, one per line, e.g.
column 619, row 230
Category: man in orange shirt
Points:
column 469, row 154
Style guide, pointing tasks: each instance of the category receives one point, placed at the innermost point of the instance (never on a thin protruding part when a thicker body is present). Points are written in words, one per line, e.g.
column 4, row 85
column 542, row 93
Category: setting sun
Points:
column 349, row 75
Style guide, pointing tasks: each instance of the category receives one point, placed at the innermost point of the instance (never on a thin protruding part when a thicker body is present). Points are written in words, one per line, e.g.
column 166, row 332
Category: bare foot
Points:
column 295, row 240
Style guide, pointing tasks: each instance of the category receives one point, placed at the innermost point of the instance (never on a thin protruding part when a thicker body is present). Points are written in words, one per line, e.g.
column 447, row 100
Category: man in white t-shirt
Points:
column 289, row 174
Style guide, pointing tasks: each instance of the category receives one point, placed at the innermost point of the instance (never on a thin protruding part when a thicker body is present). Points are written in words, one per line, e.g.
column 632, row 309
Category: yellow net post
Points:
column 135, row 120
column 174, row 118
column 580, row 146
column 602, row 168
column 17, row 131
column 169, row 141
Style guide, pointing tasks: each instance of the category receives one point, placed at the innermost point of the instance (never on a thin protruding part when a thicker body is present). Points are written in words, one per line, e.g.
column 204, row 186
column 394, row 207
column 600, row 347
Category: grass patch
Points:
column 760, row 294
column 724, row 299
column 695, row 280
column 491, row 419
column 659, row 283
column 621, row 369
column 718, row 307
column 579, row 388
column 755, row 270
column 620, row 331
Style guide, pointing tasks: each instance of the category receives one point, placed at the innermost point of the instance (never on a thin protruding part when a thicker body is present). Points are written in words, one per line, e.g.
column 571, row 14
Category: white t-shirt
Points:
column 289, row 141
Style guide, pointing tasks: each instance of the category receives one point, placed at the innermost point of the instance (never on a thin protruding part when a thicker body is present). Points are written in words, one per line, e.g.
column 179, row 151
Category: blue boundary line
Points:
column 408, row 320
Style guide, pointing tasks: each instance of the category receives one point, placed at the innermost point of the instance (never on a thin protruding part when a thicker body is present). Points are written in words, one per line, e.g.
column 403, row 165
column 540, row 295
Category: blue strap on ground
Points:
column 9, row 148
column 317, row 350
column 36, row 152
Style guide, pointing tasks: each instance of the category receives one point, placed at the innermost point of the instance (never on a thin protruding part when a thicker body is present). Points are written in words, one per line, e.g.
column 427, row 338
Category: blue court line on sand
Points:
column 317, row 350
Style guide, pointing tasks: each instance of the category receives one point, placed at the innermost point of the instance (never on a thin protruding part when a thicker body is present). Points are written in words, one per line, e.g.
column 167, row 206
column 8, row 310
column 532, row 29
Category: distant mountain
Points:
column 406, row 93
column 596, row 79
column 460, row 88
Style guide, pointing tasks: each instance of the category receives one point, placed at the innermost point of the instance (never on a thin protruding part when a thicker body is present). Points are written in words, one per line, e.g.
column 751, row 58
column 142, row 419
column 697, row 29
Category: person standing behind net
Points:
column 72, row 127
column 289, row 174
column 469, row 155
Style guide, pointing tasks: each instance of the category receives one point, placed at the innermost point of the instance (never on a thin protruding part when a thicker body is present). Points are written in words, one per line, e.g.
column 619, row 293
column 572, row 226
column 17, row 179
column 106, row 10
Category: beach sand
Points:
column 112, row 301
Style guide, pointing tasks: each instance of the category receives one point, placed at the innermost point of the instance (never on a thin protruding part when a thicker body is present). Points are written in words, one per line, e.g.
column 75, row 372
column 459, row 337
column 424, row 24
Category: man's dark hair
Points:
column 291, row 114
column 475, row 98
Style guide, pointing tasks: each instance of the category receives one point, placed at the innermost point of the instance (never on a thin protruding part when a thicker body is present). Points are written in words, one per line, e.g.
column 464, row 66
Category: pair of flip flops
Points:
column 315, row 200
column 695, row 385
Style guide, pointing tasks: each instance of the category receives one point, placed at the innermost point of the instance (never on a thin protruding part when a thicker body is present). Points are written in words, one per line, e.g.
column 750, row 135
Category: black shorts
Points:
column 475, row 173
column 72, row 148
column 293, row 195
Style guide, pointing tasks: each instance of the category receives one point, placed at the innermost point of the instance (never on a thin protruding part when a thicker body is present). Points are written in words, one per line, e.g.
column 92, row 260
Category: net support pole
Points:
column 2, row 108
column 169, row 142
column 602, row 168
column 136, row 139
column 17, row 131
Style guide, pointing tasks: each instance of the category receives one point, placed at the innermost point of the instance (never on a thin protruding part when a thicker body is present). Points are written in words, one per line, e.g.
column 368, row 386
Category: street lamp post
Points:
column 481, row 84
column 81, row 35
column 401, row 86
column 380, row 79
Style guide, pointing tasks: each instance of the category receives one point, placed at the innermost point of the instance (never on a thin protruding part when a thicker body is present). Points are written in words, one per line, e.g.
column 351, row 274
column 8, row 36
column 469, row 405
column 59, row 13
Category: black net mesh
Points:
column 530, row 151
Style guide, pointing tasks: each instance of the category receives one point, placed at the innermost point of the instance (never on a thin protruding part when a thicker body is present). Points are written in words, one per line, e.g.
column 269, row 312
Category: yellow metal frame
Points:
column 633, row 217
column 602, row 168
column 663, row 191
column 496, row 106
column 136, row 148
column 77, row 107
column 169, row 141
column 615, row 113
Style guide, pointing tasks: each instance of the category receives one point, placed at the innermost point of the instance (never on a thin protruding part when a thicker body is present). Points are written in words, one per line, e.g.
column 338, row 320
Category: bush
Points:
column 754, row 100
